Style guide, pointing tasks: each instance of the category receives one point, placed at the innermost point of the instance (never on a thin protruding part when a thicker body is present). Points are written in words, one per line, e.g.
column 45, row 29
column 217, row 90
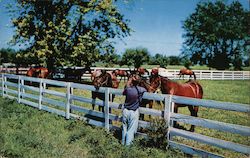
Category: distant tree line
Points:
column 133, row 57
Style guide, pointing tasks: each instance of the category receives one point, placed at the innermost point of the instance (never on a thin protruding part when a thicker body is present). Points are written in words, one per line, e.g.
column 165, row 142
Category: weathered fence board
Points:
column 29, row 103
column 11, row 91
column 87, row 87
column 57, row 83
column 27, row 95
column 53, row 102
column 11, row 84
column 88, row 100
column 31, row 88
column 53, row 110
column 192, row 150
column 52, row 92
column 87, row 111
column 31, row 79
column 212, row 104
column 226, row 127
column 212, row 141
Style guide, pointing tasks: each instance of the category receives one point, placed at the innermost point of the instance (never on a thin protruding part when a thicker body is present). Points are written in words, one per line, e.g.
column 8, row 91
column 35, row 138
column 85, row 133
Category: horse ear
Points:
column 103, row 71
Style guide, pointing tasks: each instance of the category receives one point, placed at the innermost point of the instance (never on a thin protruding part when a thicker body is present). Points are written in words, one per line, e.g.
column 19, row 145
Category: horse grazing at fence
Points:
column 104, row 79
column 40, row 72
column 185, row 71
column 189, row 89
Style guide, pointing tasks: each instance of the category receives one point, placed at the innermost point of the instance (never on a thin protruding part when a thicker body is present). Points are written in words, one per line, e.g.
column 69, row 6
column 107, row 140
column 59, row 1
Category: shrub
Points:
column 157, row 132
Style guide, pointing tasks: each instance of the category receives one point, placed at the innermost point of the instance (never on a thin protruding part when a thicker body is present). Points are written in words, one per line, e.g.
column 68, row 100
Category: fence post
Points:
column 2, row 85
column 167, row 110
column 5, row 86
column 107, row 109
column 19, row 90
column 68, row 101
column 211, row 75
column 22, row 83
column 223, row 74
column 40, row 94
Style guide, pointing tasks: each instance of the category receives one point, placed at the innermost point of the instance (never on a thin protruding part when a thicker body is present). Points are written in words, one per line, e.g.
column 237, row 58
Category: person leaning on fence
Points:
column 130, row 114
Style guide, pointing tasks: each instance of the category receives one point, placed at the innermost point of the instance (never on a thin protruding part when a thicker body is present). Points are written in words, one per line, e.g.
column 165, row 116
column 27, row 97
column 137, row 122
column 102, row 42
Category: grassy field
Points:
column 43, row 126
column 28, row 132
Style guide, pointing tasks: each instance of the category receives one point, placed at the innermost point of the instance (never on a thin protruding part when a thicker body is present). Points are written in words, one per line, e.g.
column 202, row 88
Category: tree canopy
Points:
column 7, row 55
column 59, row 32
column 216, row 34
column 135, row 57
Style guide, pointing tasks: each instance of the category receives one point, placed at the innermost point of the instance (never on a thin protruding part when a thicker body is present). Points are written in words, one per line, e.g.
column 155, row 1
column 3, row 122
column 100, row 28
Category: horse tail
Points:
column 199, row 92
column 194, row 76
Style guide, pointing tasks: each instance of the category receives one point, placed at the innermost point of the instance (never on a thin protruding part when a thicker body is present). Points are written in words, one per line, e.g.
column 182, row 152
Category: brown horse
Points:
column 189, row 89
column 103, row 80
column 185, row 71
column 122, row 73
column 142, row 71
column 40, row 72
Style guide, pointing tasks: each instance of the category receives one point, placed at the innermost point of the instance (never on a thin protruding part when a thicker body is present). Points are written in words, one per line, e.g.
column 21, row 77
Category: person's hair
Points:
column 136, row 80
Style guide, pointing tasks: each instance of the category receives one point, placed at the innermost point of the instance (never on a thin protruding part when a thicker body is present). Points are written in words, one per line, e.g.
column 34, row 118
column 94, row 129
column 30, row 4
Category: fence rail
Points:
column 16, row 87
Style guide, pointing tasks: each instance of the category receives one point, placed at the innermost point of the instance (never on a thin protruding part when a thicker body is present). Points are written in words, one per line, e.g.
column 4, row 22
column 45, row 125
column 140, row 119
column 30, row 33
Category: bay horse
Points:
column 40, row 72
column 122, row 73
column 105, row 79
column 189, row 89
column 142, row 71
column 95, row 74
column 185, row 71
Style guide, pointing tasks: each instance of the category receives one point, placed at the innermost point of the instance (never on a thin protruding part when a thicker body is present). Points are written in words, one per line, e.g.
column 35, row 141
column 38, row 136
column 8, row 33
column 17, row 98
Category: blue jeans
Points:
column 130, row 121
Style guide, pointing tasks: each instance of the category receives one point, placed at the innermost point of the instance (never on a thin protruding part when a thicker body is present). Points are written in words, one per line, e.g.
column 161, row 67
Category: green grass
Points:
column 28, row 132
column 45, row 126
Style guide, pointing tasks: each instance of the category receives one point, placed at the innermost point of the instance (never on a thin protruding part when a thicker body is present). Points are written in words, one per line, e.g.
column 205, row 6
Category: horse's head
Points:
column 104, row 80
column 155, row 81
column 154, row 72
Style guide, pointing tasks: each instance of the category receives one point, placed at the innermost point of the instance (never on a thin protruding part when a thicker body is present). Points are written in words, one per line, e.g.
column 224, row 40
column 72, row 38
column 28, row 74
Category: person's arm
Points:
column 129, row 83
column 125, row 91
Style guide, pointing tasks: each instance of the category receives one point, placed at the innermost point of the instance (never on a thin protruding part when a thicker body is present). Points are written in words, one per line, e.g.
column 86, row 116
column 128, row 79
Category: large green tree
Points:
column 64, row 32
column 7, row 55
column 216, row 34
column 135, row 57
column 159, row 59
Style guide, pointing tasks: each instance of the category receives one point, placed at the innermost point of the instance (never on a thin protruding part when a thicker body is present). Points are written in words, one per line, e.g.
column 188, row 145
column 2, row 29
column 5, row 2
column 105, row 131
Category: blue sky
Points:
column 157, row 24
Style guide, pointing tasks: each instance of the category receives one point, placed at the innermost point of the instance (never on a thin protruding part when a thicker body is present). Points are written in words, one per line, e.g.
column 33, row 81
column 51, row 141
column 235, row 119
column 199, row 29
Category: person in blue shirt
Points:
column 130, row 114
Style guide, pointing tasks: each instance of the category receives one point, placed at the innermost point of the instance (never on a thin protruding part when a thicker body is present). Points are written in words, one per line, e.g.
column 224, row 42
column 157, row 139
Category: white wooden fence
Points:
column 16, row 87
column 200, row 74
column 170, row 73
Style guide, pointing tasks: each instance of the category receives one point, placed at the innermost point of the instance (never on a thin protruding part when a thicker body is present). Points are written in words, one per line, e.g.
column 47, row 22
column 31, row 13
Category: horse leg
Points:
column 175, row 111
column 150, row 104
column 193, row 110
column 101, row 108
column 143, row 104
column 93, row 100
